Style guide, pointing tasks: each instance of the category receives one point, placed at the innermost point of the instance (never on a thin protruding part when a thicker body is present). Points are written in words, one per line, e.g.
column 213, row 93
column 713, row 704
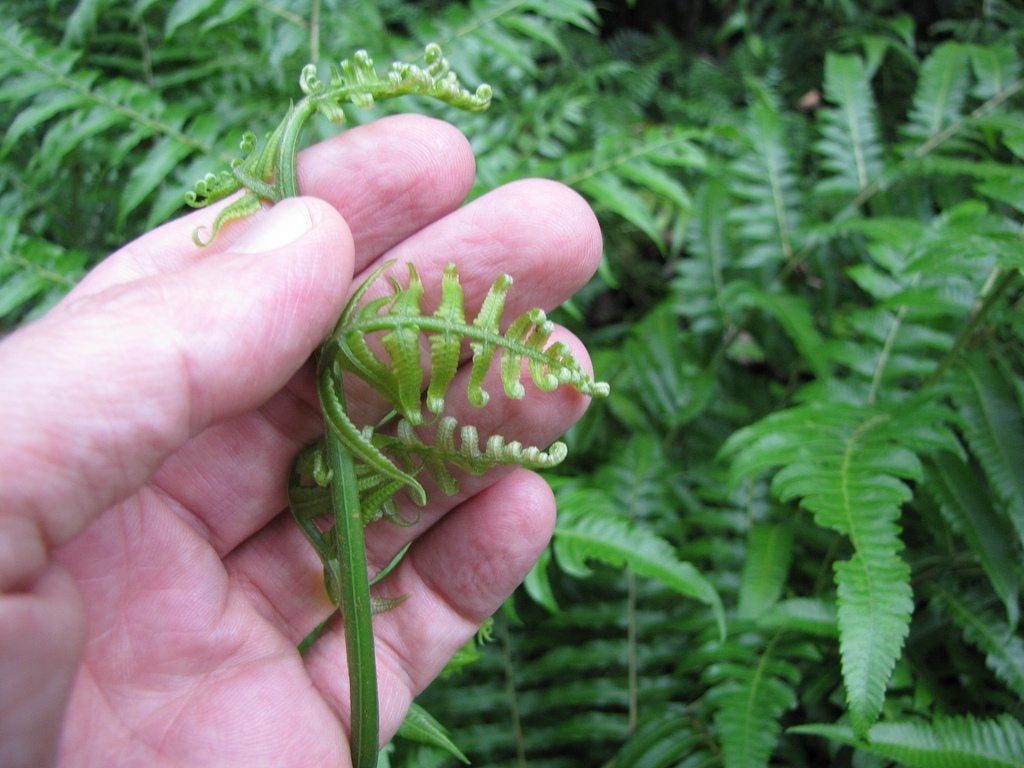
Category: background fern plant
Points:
column 793, row 534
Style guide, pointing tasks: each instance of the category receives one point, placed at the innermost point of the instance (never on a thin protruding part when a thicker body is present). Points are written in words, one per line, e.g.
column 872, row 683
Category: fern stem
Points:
column 281, row 13
column 622, row 159
column 353, row 592
column 890, row 342
column 147, row 57
column 314, row 32
column 441, row 325
column 510, row 692
column 474, row 24
column 985, row 306
column 883, row 358
column 64, row 281
column 631, row 651
column 98, row 98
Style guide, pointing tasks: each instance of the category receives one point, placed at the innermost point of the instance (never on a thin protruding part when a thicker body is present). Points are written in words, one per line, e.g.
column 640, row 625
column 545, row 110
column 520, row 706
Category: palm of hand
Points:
column 180, row 664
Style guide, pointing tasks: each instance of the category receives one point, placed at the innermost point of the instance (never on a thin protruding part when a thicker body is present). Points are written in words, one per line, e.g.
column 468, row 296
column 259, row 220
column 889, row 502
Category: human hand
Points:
column 152, row 590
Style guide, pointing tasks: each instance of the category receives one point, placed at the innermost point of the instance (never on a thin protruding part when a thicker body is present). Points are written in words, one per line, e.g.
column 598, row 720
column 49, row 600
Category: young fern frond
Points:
column 266, row 170
column 388, row 462
column 400, row 319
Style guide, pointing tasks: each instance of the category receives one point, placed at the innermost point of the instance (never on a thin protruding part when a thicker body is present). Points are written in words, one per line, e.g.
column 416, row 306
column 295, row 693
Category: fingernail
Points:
column 283, row 224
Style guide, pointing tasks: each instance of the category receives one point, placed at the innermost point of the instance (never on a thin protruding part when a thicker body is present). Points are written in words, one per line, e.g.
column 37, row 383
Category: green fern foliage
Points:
column 750, row 699
column 849, row 145
column 812, row 252
column 1003, row 649
column 941, row 91
column 994, row 429
column 589, row 529
column 970, row 511
column 955, row 742
column 34, row 273
column 769, row 554
column 848, row 466
column 768, row 224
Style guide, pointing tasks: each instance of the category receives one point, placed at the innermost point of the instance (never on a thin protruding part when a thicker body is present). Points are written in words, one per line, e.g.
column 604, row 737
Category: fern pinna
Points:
column 351, row 477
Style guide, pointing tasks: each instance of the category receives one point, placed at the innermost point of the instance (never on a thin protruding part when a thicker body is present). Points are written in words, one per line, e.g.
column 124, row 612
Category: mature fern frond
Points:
column 848, row 466
column 76, row 105
column 969, row 509
column 768, row 223
column 941, row 92
column 630, row 176
column 994, row 428
column 701, row 280
column 34, row 273
column 947, row 742
column 664, row 382
column 849, row 143
column 995, row 68
column 793, row 313
column 750, row 694
column 588, row 528
column 660, row 742
column 1003, row 648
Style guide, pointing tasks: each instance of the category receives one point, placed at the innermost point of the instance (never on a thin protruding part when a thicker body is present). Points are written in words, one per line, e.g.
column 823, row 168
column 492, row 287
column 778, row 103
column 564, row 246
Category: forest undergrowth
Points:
column 793, row 533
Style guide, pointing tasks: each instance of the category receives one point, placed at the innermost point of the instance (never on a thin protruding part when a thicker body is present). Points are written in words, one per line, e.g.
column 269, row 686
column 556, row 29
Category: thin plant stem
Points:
column 631, row 651
column 146, row 53
column 314, row 32
column 280, row 12
column 887, row 347
column 352, row 587
column 986, row 304
column 511, row 698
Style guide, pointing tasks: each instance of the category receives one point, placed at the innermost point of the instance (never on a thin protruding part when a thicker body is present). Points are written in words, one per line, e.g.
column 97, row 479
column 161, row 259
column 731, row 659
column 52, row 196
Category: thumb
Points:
column 96, row 394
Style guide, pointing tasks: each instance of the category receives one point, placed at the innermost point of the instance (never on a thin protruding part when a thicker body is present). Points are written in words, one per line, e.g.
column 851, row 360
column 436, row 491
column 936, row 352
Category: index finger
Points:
column 387, row 179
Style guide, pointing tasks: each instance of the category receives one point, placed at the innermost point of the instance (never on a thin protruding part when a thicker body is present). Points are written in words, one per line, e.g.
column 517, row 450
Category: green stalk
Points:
column 353, row 590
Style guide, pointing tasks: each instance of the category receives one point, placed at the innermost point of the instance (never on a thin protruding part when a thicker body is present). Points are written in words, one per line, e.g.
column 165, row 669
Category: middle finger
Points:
column 232, row 477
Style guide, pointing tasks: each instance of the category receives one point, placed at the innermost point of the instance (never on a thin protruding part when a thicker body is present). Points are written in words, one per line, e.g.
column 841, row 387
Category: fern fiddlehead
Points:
column 353, row 475
column 266, row 171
